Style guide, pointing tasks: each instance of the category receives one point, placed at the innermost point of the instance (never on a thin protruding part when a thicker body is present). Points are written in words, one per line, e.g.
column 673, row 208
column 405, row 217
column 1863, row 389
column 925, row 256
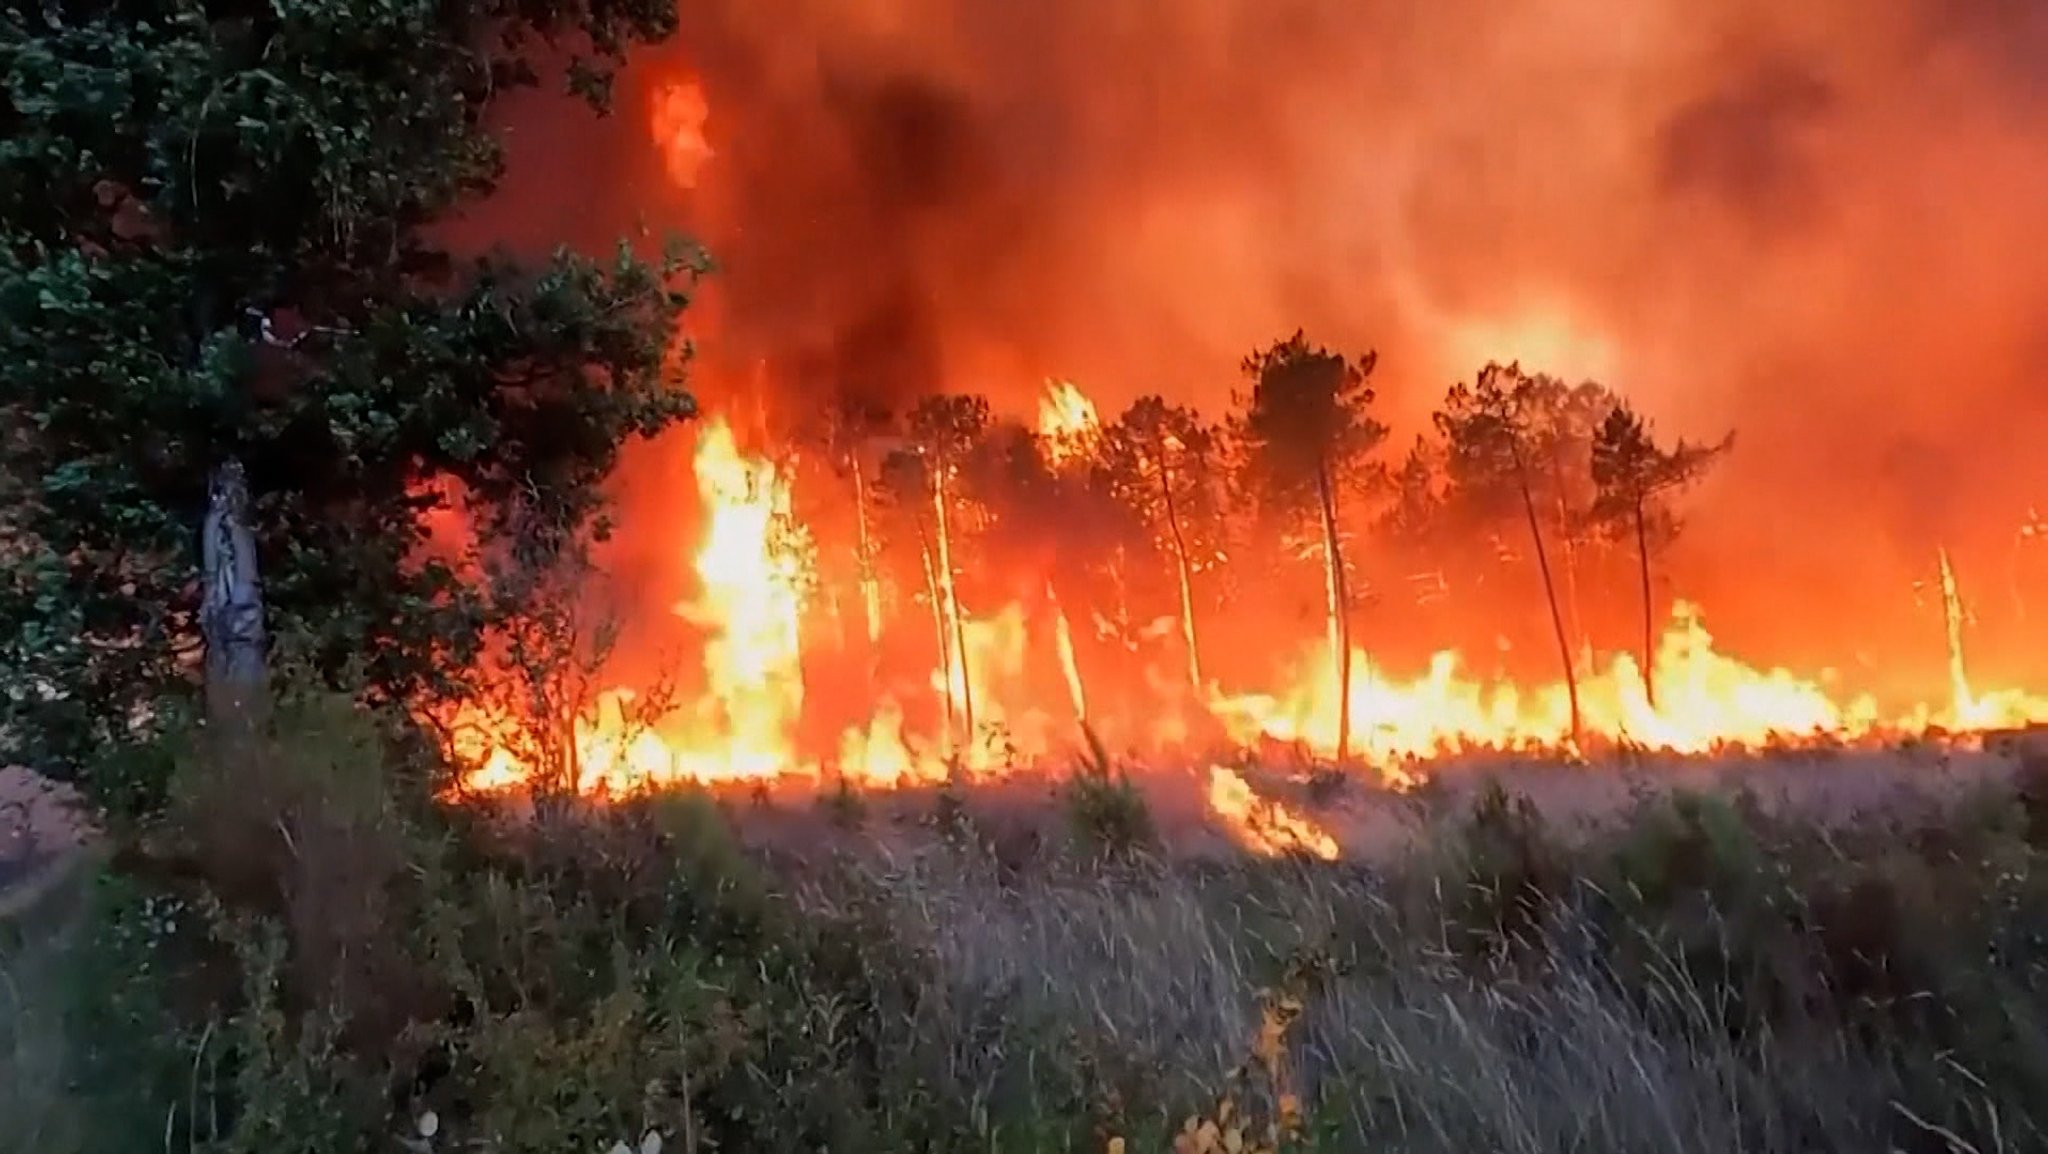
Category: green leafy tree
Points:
column 1161, row 461
column 1496, row 445
column 220, row 290
column 1309, row 436
column 1636, row 478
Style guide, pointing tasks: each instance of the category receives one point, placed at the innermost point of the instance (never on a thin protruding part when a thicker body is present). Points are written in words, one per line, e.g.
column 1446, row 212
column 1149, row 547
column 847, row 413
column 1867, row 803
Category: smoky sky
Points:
column 1812, row 223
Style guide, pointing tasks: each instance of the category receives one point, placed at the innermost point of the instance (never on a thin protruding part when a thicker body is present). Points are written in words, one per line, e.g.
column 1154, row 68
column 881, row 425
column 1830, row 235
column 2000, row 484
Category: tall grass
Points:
column 301, row 952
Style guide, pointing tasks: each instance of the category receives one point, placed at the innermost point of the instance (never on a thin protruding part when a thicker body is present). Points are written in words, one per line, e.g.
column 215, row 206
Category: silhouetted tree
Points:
column 1160, row 461
column 1634, row 474
column 1308, row 433
column 846, row 433
column 1492, row 461
column 1559, row 423
column 943, row 431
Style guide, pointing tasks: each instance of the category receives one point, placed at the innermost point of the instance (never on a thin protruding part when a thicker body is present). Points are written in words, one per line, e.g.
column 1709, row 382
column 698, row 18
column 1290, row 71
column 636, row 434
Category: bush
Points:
column 301, row 952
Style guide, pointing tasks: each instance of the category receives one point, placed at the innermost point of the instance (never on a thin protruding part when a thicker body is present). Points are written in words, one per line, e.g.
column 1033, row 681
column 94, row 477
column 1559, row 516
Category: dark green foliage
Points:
column 1306, row 423
column 215, row 243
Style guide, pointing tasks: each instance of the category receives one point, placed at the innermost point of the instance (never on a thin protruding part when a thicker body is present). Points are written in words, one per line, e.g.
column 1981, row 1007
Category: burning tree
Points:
column 1561, row 423
column 1499, row 438
column 1160, row 460
column 846, row 434
column 1635, row 475
column 1308, row 434
column 942, row 432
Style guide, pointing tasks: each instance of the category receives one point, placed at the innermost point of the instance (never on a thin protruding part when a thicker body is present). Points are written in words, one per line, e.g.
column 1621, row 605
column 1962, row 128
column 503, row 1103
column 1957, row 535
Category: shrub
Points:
column 1106, row 811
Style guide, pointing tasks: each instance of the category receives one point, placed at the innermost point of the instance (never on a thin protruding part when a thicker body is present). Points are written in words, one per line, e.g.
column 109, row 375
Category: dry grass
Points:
column 965, row 967
column 1405, row 1042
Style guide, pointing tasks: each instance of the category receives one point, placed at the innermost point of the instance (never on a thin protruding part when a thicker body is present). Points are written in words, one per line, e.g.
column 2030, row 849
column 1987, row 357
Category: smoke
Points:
column 1810, row 223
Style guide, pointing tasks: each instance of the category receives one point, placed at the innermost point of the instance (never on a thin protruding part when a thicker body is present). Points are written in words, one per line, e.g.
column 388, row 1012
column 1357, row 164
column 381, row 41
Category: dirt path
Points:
column 42, row 831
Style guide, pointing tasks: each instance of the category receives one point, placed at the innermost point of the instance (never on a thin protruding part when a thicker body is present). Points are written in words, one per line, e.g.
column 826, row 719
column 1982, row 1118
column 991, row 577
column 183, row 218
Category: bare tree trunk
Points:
column 1339, row 609
column 1575, row 617
column 1568, row 545
column 231, row 606
column 1649, row 616
column 952, row 594
column 1181, row 570
column 1564, row 645
column 938, row 603
column 870, row 586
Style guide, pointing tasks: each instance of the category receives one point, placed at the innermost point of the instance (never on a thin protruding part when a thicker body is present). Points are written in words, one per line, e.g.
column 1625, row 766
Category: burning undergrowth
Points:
column 1027, row 822
column 948, row 600
column 901, row 551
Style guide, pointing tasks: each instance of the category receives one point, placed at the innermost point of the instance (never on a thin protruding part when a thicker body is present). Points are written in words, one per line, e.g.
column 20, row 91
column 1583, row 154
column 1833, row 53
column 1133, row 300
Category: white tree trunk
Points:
column 231, row 604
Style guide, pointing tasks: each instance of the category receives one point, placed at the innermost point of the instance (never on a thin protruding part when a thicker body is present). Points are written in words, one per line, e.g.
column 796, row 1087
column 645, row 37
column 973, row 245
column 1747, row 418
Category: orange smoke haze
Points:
column 1808, row 223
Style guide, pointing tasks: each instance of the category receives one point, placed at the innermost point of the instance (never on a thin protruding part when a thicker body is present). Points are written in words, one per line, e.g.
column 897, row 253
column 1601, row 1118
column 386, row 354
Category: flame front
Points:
column 754, row 567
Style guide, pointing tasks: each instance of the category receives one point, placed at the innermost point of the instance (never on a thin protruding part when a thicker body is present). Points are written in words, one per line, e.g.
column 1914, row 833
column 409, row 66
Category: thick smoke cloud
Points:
column 1812, row 222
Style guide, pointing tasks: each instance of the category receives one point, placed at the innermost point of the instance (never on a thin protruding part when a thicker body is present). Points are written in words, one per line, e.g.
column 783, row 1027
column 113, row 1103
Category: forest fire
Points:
column 899, row 581
column 757, row 570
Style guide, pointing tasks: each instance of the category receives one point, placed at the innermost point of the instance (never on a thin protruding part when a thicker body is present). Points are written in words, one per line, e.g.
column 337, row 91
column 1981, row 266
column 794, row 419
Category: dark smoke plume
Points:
column 1811, row 222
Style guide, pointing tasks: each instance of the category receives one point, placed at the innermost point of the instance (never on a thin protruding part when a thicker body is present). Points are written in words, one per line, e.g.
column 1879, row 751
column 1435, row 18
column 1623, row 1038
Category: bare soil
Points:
column 43, row 828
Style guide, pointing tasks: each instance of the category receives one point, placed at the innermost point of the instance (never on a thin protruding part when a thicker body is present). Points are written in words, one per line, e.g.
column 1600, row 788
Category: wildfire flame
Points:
column 1067, row 421
column 755, row 569
column 754, row 565
column 1264, row 826
column 677, row 114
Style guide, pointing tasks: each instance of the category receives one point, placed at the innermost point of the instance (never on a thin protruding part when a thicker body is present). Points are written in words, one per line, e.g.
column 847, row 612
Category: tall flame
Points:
column 754, row 567
column 1067, row 421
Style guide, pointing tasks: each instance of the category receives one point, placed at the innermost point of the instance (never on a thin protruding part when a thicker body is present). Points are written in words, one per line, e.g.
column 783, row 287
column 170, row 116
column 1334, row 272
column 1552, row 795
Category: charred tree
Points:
column 1488, row 441
column 1307, row 427
column 1159, row 460
column 943, row 431
column 1564, row 644
column 1633, row 476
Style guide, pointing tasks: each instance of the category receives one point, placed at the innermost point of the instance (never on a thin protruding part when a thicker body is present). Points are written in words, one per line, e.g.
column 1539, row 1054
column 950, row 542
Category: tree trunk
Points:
column 1564, row 645
column 1339, row 609
column 952, row 595
column 1575, row 617
column 870, row 586
column 231, row 605
column 938, row 604
column 1649, row 616
column 1181, row 571
column 1568, row 546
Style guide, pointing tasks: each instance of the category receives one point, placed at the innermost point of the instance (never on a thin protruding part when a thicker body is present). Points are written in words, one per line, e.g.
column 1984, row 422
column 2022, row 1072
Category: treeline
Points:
column 1527, row 490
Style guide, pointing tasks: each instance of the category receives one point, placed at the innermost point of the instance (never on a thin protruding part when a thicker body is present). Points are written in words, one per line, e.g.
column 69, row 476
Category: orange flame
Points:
column 1264, row 826
column 755, row 569
column 677, row 113
column 1067, row 421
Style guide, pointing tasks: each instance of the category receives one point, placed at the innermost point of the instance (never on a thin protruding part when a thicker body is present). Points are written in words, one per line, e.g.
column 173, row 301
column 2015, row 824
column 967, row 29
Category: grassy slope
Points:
column 301, row 957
